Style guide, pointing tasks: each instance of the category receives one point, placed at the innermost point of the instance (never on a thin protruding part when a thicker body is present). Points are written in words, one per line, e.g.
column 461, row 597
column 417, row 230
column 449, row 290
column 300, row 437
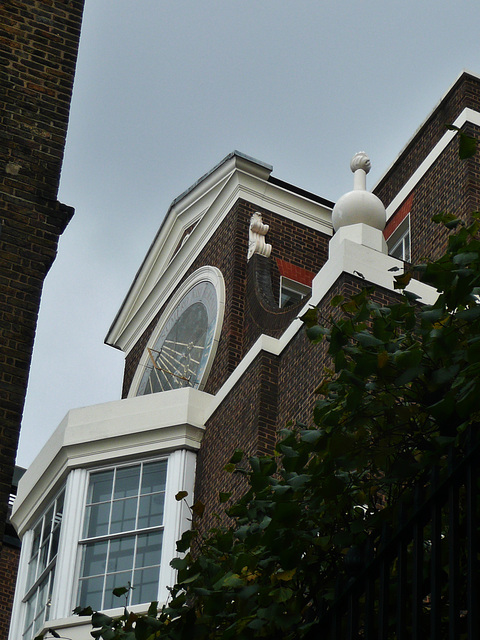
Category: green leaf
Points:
column 181, row 495
column 311, row 436
column 466, row 257
column 367, row 339
column 153, row 608
column 472, row 313
column 316, row 333
column 225, row 496
column 179, row 563
column 83, row 611
column 237, row 456
column 337, row 300
column 186, row 540
column 467, row 147
column 101, row 620
column 120, row 591
column 310, row 317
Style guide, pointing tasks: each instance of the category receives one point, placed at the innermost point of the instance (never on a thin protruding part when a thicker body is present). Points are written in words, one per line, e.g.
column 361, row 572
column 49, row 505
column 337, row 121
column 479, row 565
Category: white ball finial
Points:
column 360, row 161
column 359, row 206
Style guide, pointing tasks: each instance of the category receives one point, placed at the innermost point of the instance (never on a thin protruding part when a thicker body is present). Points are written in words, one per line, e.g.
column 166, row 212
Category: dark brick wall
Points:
column 246, row 420
column 9, row 556
column 227, row 250
column 465, row 93
column 38, row 50
column 274, row 392
column 451, row 184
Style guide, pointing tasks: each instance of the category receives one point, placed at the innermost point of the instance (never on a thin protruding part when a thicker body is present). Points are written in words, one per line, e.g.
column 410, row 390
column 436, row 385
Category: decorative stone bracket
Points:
column 256, row 237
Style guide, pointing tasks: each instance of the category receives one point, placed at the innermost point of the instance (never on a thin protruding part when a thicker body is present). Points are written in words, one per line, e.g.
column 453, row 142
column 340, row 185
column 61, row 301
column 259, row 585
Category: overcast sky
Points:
column 164, row 90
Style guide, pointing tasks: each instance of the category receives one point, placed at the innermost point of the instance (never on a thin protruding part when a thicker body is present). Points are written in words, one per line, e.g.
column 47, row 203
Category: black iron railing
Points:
column 422, row 582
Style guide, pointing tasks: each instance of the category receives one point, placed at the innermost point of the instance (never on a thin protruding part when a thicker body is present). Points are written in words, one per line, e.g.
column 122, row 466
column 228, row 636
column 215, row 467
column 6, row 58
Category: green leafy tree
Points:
column 403, row 387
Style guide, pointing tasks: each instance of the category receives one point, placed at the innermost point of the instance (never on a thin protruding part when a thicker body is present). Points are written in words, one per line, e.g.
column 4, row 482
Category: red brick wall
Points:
column 38, row 50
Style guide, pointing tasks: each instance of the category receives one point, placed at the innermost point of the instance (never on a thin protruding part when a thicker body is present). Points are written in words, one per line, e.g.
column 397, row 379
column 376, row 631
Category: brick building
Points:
column 38, row 51
column 217, row 359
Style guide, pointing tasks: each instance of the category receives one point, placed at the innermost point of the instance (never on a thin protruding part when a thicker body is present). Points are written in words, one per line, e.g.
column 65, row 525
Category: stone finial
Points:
column 256, row 237
column 359, row 206
column 360, row 161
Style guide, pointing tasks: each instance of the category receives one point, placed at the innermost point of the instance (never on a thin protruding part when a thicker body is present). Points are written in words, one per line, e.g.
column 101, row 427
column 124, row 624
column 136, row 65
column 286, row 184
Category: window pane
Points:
column 124, row 513
column 32, row 569
column 59, row 509
column 54, row 545
column 407, row 246
column 149, row 547
column 145, row 582
column 90, row 593
column 42, row 557
column 42, row 595
column 94, row 558
column 48, row 523
column 96, row 520
column 115, row 580
column 100, row 488
column 150, row 513
column 37, row 532
column 121, row 552
column 122, row 502
column 154, row 476
column 126, row 482
column 30, row 610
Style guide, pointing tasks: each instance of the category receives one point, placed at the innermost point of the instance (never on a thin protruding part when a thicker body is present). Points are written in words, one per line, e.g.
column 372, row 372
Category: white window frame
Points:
column 399, row 243
column 110, row 537
column 180, row 477
column 207, row 274
column 26, row 592
column 286, row 284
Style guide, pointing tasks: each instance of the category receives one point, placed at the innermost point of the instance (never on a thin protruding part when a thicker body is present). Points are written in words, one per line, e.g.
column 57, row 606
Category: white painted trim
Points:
column 180, row 477
column 18, row 610
column 348, row 257
column 204, row 274
column 67, row 560
column 467, row 115
column 159, row 275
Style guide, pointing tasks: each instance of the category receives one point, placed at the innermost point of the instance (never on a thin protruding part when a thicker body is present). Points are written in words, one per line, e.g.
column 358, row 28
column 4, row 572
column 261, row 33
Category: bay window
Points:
column 41, row 568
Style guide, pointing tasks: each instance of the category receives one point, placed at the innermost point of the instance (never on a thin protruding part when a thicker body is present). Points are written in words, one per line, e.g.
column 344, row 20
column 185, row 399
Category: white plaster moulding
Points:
column 160, row 274
column 467, row 115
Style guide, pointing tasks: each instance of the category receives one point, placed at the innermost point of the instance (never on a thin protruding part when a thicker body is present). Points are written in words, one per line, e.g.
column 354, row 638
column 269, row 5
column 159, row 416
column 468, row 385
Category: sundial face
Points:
column 180, row 353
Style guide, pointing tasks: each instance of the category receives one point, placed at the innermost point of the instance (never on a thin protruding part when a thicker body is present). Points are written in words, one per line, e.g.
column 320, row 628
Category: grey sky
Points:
column 164, row 90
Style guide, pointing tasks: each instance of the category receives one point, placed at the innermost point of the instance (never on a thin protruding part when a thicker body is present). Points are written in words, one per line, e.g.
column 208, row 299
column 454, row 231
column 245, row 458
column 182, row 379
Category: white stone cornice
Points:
column 130, row 428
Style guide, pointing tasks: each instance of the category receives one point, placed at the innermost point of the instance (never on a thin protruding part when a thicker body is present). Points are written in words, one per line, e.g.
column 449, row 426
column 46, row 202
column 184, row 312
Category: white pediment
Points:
column 191, row 221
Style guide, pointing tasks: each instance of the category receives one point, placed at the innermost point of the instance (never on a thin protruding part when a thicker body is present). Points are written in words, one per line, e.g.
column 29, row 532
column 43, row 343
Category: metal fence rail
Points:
column 423, row 579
